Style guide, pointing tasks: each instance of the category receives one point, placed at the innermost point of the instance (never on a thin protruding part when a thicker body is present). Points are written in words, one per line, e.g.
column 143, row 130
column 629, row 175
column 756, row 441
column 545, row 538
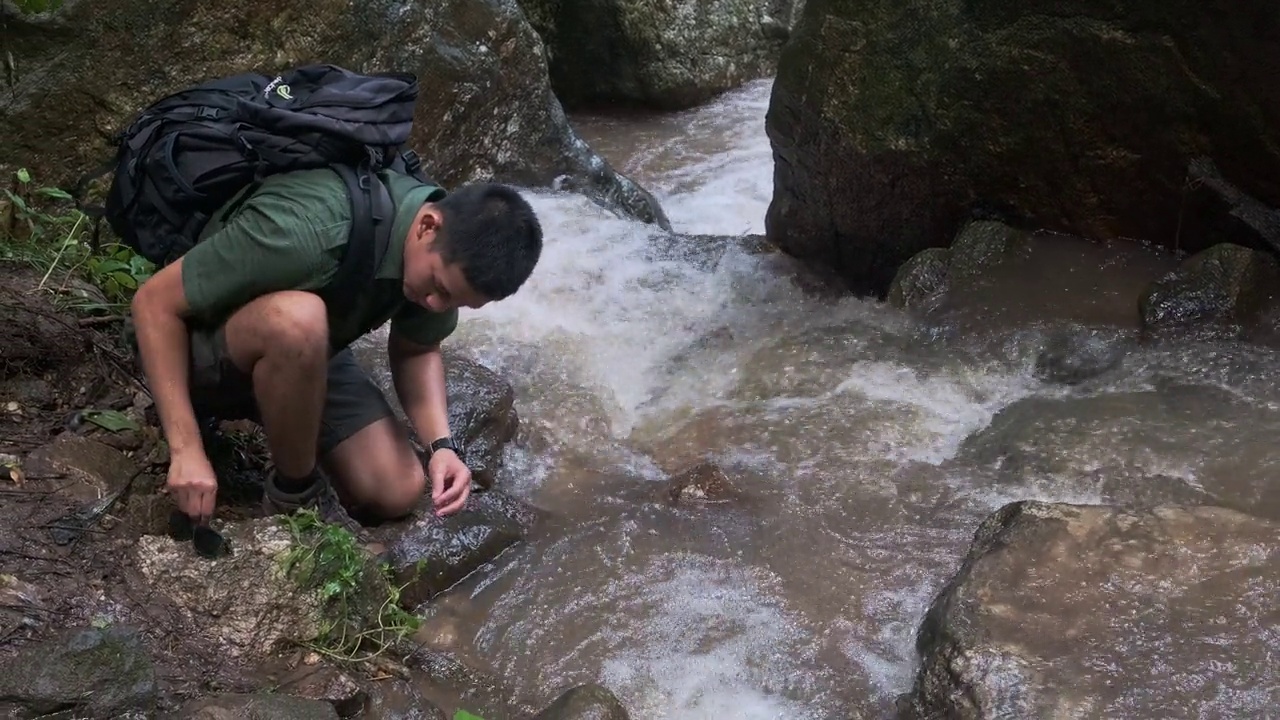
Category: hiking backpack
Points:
column 189, row 153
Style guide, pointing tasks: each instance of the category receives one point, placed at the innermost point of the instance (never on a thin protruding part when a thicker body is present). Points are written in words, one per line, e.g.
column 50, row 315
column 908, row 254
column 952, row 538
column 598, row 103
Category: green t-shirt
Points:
column 289, row 235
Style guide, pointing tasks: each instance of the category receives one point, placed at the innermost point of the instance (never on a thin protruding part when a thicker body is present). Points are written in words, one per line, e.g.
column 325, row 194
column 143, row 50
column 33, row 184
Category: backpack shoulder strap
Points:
column 370, row 235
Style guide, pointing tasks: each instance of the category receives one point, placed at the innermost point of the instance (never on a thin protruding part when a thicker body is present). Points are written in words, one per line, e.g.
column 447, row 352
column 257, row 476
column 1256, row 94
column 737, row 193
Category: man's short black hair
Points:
column 492, row 234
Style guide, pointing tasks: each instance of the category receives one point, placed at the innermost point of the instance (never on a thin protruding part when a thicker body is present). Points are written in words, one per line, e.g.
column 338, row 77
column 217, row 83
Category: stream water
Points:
column 867, row 446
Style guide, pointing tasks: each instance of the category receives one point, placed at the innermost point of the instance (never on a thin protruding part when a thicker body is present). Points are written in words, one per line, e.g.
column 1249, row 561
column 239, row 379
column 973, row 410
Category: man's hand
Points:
column 194, row 486
column 450, row 481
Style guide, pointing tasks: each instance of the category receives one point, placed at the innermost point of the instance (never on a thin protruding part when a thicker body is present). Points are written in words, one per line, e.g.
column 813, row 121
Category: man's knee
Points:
column 390, row 488
column 290, row 321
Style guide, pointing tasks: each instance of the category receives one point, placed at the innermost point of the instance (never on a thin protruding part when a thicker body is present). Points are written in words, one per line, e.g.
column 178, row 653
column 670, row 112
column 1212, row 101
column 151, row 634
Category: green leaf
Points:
column 110, row 266
column 125, row 280
column 55, row 193
column 24, row 176
column 110, row 420
column 464, row 715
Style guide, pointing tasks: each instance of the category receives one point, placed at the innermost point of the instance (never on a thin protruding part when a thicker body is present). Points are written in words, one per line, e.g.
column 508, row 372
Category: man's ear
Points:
column 428, row 222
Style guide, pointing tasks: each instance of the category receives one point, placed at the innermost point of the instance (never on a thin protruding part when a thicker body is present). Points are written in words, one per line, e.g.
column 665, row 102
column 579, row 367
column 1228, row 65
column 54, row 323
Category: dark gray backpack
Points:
column 189, row 153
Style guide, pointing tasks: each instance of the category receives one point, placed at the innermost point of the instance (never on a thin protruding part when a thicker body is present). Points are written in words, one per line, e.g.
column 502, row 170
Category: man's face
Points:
column 428, row 280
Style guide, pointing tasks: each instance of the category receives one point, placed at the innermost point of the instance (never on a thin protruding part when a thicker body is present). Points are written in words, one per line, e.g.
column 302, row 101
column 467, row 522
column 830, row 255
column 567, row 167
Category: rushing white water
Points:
column 854, row 434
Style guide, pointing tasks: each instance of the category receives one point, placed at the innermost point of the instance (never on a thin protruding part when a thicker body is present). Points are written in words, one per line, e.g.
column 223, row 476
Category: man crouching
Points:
column 235, row 329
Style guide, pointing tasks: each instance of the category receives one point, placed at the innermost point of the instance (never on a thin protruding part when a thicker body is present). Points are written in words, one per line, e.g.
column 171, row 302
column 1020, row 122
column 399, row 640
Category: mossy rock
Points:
column 893, row 120
column 1225, row 284
column 921, row 280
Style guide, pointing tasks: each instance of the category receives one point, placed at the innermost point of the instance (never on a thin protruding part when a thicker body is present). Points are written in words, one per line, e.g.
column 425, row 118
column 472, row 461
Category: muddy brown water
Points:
column 867, row 445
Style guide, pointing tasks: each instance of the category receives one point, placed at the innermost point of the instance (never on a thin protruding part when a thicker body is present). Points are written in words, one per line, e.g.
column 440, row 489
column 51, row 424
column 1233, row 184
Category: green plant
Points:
column 39, row 229
column 361, row 611
column 464, row 715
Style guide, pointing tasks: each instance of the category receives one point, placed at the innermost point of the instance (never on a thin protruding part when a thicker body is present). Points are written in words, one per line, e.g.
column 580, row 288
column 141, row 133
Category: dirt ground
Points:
column 80, row 495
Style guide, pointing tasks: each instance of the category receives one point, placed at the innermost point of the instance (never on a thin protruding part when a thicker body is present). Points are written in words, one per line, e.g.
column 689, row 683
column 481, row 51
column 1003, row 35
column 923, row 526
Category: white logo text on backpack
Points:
column 279, row 87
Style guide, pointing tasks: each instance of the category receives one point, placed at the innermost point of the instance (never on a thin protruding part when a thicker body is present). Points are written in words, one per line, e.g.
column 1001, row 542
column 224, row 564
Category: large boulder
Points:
column 486, row 109
column 668, row 55
column 1065, row 611
column 894, row 120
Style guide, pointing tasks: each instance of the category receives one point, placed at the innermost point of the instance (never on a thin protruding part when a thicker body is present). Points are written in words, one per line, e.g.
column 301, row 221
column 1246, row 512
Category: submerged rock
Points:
column 328, row 684
column 486, row 109
column 1226, row 284
column 704, row 482
column 90, row 672
column 893, row 121
column 585, row 702
column 396, row 699
column 1064, row 611
column 255, row 706
column 1075, row 355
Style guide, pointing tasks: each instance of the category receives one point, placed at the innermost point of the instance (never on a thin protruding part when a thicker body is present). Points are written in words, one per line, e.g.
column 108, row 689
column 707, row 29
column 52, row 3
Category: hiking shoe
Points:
column 319, row 497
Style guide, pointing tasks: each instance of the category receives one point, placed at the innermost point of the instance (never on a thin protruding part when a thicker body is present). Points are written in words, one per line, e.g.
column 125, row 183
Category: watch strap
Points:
column 444, row 443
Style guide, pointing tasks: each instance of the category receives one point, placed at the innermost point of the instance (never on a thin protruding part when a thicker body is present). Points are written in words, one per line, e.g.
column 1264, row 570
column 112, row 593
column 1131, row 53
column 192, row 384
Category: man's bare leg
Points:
column 281, row 340
column 377, row 472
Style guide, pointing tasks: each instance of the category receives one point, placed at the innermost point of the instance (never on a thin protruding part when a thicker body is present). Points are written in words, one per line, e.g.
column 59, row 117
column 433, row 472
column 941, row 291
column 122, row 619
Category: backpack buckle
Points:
column 411, row 159
column 209, row 113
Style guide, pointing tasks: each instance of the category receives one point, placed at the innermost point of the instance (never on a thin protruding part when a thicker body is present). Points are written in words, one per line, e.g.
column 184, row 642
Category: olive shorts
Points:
column 221, row 390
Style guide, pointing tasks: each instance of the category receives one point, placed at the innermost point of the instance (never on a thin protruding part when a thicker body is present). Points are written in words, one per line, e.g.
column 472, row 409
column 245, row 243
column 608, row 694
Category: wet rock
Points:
column 30, row 392
column 434, row 553
column 73, row 86
column 328, row 684
column 98, row 468
column 90, row 672
column 704, row 482
column 397, row 699
column 981, row 245
column 892, row 122
column 922, row 280
column 585, row 702
column 1075, row 355
column 485, row 693
column 677, row 54
column 1226, row 284
column 482, row 413
column 21, row 604
column 257, row 706
column 251, row 602
column 1071, row 611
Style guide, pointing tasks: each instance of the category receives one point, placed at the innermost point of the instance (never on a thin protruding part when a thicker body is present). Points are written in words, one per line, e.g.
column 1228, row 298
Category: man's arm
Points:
column 418, row 374
column 159, row 307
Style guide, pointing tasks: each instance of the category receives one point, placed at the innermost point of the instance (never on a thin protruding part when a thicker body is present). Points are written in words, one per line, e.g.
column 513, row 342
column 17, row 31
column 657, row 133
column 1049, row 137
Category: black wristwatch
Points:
column 444, row 443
